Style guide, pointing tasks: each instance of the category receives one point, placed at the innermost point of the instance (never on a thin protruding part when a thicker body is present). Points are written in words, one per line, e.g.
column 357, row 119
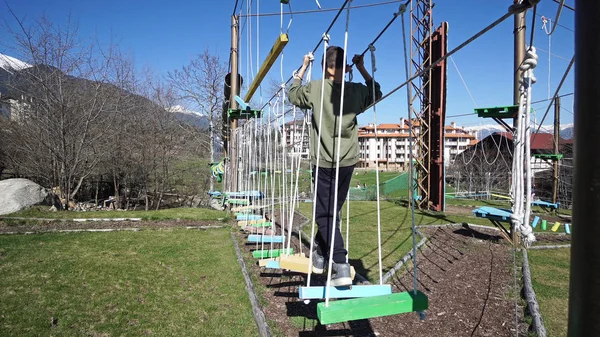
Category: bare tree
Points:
column 201, row 83
column 67, row 103
column 484, row 167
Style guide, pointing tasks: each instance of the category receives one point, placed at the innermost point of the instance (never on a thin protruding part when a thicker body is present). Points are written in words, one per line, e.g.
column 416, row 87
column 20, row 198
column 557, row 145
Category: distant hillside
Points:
column 566, row 130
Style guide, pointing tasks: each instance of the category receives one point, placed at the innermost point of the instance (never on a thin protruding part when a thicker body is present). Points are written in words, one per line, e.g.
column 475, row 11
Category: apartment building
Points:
column 391, row 148
column 297, row 134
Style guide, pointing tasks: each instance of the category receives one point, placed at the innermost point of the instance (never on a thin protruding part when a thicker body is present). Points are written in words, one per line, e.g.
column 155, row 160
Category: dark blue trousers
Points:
column 325, row 189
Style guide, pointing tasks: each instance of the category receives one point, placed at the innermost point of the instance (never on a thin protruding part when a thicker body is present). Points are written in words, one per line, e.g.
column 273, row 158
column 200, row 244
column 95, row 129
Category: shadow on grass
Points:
column 359, row 267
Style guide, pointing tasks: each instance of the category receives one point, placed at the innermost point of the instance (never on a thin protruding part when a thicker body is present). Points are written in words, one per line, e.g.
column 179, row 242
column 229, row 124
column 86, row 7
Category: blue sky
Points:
column 165, row 35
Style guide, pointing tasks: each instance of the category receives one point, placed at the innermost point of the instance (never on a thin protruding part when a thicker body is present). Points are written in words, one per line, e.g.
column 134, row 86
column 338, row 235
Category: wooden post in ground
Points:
column 584, row 285
column 235, row 90
column 519, row 57
column 556, row 149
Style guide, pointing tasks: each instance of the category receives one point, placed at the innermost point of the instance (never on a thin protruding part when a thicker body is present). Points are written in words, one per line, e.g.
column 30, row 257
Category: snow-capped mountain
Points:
column 190, row 117
column 10, row 63
column 566, row 130
column 183, row 110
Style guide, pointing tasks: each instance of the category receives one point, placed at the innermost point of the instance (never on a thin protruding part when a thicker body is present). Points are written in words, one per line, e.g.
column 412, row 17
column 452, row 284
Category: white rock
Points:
column 17, row 194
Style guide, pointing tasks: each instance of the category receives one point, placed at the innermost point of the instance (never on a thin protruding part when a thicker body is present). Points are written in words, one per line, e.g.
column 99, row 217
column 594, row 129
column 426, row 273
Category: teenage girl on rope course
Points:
column 323, row 98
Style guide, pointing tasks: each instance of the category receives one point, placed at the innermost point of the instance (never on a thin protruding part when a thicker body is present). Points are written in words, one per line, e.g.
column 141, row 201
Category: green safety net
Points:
column 386, row 189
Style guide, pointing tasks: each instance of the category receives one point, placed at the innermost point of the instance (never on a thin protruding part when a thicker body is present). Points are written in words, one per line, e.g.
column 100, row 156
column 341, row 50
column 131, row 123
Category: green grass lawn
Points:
column 550, row 278
column 396, row 232
column 155, row 282
column 163, row 214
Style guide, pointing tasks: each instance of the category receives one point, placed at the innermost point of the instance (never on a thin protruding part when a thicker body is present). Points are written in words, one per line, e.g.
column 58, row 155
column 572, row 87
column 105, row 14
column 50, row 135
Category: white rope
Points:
column 373, row 70
column 282, row 182
column 258, row 46
column 463, row 81
column 337, row 161
column 522, row 154
column 544, row 27
column 316, row 167
column 347, row 242
column 560, row 7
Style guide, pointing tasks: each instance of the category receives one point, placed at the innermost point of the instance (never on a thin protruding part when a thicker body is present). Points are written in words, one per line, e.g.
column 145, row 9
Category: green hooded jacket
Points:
column 357, row 97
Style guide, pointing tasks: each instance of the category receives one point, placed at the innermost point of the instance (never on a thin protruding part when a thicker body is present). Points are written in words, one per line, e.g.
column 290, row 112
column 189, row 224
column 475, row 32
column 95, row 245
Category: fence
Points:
column 387, row 189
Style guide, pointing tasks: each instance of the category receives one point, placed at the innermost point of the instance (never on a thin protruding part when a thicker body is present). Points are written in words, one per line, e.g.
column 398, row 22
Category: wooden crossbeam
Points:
column 274, row 53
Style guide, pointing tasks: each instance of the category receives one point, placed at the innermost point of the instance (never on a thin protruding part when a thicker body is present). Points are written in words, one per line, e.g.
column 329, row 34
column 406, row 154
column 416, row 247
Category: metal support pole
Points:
column 519, row 41
column 235, row 90
column 584, row 292
column 556, row 148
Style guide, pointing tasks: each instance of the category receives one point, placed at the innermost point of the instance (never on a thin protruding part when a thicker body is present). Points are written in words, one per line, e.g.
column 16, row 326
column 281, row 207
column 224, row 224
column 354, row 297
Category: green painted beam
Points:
column 369, row 307
column 243, row 114
column 498, row 112
column 261, row 254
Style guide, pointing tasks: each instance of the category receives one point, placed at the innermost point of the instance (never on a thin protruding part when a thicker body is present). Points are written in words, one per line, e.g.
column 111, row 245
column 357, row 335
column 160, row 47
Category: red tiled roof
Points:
column 539, row 141
column 459, row 135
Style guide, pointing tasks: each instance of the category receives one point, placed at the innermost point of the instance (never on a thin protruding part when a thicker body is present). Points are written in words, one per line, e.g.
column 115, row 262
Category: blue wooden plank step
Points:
column 249, row 217
column 265, row 238
column 310, row 293
column 272, row 264
column 568, row 228
column 542, row 203
column 535, row 221
column 493, row 213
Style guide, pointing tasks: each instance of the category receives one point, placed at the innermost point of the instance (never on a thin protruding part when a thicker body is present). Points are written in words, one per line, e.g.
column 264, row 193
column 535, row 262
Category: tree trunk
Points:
column 97, row 187
column 212, row 149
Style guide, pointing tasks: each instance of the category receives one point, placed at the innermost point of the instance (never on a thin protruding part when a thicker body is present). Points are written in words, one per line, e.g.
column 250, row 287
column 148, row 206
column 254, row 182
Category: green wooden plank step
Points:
column 369, row 307
column 262, row 254
column 263, row 224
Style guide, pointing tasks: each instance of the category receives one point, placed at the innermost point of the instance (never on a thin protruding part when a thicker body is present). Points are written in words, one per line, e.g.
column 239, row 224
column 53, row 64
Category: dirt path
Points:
column 466, row 274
